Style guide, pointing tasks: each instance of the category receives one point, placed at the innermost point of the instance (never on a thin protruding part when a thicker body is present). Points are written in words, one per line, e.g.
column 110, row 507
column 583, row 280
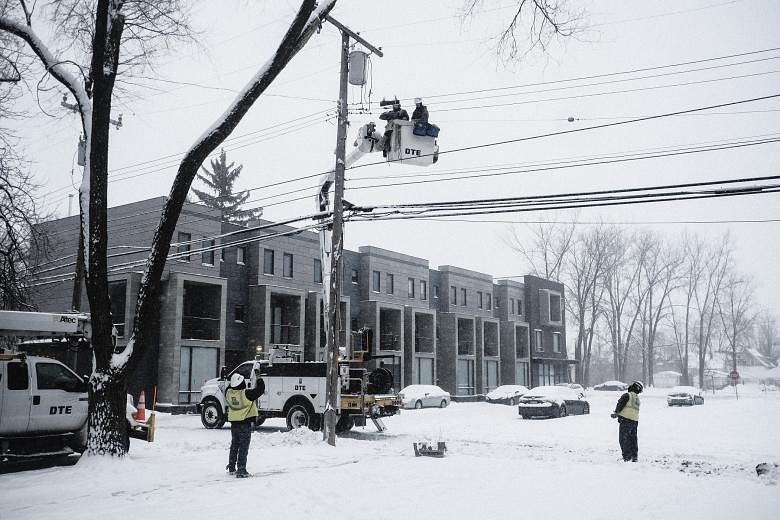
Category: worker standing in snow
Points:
column 242, row 412
column 627, row 414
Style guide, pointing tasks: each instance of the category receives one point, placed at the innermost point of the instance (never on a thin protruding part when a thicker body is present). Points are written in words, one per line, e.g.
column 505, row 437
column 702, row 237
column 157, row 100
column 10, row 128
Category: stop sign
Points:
column 734, row 375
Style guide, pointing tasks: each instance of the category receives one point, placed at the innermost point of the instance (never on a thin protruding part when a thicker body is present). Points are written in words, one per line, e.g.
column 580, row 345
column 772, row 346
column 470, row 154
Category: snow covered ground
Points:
column 695, row 463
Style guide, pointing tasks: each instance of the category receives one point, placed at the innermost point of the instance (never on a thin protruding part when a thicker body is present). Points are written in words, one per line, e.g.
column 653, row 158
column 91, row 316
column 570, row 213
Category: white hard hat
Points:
column 417, row 100
column 236, row 379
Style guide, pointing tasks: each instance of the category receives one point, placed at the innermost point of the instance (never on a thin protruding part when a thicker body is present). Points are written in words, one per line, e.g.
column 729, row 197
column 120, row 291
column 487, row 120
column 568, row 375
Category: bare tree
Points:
column 546, row 250
column 533, row 24
column 625, row 297
column 717, row 264
column 586, row 264
column 117, row 35
column 766, row 332
column 22, row 240
column 734, row 308
column 661, row 272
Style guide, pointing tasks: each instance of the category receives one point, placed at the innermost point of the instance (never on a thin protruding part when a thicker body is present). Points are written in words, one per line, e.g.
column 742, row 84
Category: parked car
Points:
column 684, row 396
column 574, row 386
column 552, row 401
column 612, row 386
column 506, row 394
column 419, row 396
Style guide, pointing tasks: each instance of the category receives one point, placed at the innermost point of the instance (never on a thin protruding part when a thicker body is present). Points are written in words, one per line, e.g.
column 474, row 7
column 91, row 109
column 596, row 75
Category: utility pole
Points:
column 78, row 278
column 337, row 237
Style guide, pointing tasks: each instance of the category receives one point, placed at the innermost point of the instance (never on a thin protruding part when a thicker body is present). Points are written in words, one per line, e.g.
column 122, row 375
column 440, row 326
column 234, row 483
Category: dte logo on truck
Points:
column 54, row 410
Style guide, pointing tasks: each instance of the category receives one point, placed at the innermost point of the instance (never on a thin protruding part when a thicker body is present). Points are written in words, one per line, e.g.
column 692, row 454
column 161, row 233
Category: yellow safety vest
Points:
column 631, row 410
column 239, row 407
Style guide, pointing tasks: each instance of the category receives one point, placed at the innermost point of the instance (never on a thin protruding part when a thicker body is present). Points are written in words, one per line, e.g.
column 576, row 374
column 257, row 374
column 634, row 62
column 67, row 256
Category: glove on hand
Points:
column 613, row 415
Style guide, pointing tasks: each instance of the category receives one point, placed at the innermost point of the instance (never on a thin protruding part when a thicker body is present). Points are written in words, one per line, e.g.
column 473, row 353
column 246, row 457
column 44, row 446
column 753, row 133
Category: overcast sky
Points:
column 431, row 51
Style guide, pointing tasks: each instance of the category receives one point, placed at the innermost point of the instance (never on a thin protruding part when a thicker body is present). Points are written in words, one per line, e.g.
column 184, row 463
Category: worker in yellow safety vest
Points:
column 627, row 414
column 242, row 412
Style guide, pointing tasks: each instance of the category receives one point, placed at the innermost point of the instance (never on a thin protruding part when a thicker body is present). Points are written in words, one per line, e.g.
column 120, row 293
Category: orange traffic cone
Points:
column 141, row 415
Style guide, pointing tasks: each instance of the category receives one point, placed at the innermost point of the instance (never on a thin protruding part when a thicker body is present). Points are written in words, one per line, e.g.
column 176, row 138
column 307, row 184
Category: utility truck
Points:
column 43, row 403
column 295, row 390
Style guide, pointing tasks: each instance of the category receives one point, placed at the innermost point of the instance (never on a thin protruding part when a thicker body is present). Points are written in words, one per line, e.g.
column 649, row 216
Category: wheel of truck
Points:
column 344, row 424
column 418, row 404
column 299, row 416
column 443, row 403
column 211, row 414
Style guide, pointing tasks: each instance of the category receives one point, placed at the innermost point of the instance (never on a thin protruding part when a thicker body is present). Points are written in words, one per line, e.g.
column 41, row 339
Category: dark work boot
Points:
column 230, row 469
column 242, row 473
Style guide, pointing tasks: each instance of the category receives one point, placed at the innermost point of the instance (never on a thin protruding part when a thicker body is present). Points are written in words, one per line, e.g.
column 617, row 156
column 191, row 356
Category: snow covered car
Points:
column 574, row 386
column 419, row 396
column 506, row 394
column 684, row 396
column 552, row 401
column 612, row 386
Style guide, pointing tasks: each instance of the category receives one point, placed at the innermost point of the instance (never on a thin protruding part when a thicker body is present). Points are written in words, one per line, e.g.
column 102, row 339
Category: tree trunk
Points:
column 107, row 408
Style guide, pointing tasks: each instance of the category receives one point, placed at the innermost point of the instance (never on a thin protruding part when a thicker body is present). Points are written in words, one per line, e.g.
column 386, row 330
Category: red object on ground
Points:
column 733, row 375
column 141, row 415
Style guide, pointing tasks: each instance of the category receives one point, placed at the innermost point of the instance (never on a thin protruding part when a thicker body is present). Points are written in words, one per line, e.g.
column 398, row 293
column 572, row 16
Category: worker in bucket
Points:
column 627, row 414
column 396, row 113
column 242, row 412
column 420, row 113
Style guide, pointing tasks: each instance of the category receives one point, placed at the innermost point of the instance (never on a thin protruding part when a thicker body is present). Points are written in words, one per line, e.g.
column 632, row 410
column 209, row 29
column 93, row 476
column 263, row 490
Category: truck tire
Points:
column 211, row 414
column 344, row 424
column 300, row 416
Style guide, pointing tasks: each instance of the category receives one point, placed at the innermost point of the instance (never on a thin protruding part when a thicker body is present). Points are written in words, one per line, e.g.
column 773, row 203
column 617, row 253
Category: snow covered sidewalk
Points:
column 695, row 462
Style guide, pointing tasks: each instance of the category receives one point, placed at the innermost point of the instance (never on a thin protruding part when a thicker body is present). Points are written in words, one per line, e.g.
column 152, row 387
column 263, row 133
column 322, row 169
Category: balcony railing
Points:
column 285, row 334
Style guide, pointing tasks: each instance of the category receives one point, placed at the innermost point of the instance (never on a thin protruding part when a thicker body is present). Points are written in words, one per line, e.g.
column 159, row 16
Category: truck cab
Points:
column 43, row 406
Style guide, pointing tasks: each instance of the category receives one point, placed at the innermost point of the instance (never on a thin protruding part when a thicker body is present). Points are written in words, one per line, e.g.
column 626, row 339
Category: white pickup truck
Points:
column 296, row 391
column 44, row 404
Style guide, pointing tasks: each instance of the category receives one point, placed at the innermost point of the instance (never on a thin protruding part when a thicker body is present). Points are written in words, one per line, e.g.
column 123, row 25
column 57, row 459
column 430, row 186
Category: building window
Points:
column 268, row 261
column 201, row 311
column 512, row 305
column 423, row 290
column 410, row 291
column 222, row 255
column 317, row 270
column 355, row 276
column 489, row 301
column 519, row 307
column 207, row 256
column 436, row 292
column 238, row 314
column 184, row 246
column 555, row 308
column 287, row 265
column 390, row 286
column 240, row 255
column 557, row 342
column 453, row 295
column 117, row 295
column 479, row 299
column 376, row 281
column 463, row 296
column 538, row 340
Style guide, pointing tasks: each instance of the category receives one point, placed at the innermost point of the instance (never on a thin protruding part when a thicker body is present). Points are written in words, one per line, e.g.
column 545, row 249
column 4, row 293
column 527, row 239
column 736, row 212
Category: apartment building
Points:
column 231, row 292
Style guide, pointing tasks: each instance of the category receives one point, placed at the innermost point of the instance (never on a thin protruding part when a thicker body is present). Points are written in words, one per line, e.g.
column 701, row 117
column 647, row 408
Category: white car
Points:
column 684, row 396
column 506, row 394
column 574, row 386
column 419, row 396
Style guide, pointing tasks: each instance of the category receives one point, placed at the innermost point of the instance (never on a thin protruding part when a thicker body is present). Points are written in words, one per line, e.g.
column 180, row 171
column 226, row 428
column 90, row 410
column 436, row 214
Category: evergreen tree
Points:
column 220, row 182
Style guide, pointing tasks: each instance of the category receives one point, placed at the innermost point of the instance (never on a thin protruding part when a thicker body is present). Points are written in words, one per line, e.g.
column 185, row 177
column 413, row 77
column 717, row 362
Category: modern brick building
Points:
column 231, row 292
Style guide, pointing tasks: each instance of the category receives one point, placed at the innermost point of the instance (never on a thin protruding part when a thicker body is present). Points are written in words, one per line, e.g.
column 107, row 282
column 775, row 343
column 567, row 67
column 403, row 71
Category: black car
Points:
column 552, row 401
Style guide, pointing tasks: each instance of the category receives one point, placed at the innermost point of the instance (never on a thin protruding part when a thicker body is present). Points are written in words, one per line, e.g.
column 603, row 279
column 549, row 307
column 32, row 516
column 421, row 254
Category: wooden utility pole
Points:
column 337, row 237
